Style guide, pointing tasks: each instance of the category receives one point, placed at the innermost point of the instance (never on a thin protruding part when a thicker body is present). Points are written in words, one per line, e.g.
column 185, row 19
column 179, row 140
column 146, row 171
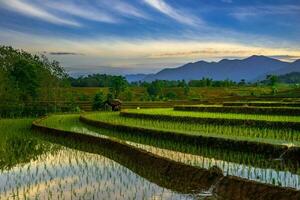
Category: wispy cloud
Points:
column 32, row 10
column 125, row 9
column 243, row 13
column 82, row 10
column 176, row 14
column 116, row 52
column 285, row 57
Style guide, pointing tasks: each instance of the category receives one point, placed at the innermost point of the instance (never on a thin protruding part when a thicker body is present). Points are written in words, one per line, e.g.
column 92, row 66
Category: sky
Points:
column 144, row 36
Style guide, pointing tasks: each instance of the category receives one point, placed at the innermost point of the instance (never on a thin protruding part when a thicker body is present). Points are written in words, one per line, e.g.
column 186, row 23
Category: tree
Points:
column 186, row 90
column 242, row 82
column 171, row 95
column 109, row 96
column 24, row 75
column 128, row 95
column 31, row 79
column 273, row 79
column 118, row 85
column 98, row 102
column 155, row 89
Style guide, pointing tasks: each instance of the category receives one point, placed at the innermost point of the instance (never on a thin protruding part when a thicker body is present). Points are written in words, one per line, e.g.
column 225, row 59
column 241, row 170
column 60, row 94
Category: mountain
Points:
column 135, row 77
column 292, row 67
column 250, row 69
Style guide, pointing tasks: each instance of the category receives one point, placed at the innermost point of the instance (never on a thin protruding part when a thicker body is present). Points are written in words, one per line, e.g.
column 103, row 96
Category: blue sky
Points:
column 136, row 36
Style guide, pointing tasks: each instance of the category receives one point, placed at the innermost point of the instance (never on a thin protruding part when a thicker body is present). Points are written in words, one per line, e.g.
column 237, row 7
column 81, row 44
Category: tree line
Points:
column 26, row 80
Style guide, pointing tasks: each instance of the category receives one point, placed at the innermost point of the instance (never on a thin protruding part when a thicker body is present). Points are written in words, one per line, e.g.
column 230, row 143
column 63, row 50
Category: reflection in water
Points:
column 271, row 176
column 278, row 177
column 19, row 150
column 42, row 170
column 72, row 174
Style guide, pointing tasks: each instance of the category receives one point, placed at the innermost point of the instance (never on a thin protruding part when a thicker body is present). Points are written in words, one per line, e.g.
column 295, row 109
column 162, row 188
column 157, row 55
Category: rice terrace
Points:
column 150, row 100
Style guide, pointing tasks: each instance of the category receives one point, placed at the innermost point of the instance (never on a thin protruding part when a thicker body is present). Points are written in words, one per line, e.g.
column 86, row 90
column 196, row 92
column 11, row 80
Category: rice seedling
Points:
column 263, row 103
column 175, row 113
column 288, row 111
column 265, row 174
column 69, row 174
column 59, row 172
column 266, row 135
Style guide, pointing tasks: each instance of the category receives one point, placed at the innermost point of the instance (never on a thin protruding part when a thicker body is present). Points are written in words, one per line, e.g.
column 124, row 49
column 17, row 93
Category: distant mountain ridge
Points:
column 135, row 77
column 251, row 69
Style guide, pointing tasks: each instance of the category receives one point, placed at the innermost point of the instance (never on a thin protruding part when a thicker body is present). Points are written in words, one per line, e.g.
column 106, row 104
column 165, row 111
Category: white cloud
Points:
column 242, row 13
column 176, row 14
column 125, row 9
column 111, row 48
column 83, row 11
column 32, row 10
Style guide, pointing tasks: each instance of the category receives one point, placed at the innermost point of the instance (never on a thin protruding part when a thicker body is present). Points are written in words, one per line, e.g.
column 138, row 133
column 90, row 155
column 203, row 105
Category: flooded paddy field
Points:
column 137, row 167
column 54, row 171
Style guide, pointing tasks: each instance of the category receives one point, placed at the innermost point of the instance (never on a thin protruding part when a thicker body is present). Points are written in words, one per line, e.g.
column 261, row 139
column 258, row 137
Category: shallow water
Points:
column 72, row 174
column 41, row 168
column 284, row 178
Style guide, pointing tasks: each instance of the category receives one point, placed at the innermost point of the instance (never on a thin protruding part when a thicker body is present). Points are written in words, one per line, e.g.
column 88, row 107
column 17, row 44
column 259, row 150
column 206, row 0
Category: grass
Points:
column 171, row 112
column 273, row 136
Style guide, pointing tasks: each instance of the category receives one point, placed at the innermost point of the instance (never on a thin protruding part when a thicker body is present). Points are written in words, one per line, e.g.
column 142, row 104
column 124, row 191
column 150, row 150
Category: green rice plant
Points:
column 171, row 112
column 228, row 168
column 229, row 119
column 246, row 133
column 287, row 111
column 263, row 103
column 71, row 123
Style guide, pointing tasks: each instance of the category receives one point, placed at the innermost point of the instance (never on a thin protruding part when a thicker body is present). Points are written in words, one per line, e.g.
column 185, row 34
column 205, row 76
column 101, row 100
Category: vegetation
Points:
column 27, row 80
column 99, row 101
column 71, row 123
column 290, row 78
column 289, row 111
column 17, row 145
column 162, row 90
column 263, row 104
column 94, row 80
column 273, row 136
column 171, row 112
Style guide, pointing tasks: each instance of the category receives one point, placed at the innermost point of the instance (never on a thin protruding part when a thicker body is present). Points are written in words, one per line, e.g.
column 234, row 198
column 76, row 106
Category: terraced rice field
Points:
column 273, row 136
column 71, row 123
column 150, row 154
column 263, row 103
column 289, row 111
column 174, row 113
column 60, row 169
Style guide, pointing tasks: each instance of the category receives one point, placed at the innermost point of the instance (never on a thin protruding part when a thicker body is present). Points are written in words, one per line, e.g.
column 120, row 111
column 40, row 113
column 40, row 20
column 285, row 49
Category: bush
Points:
column 171, row 95
column 98, row 103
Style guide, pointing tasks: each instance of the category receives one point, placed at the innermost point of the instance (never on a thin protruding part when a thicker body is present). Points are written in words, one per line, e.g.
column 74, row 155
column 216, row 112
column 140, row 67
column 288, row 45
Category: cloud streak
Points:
column 32, row 10
column 125, row 9
column 82, row 10
column 178, row 15
column 242, row 13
